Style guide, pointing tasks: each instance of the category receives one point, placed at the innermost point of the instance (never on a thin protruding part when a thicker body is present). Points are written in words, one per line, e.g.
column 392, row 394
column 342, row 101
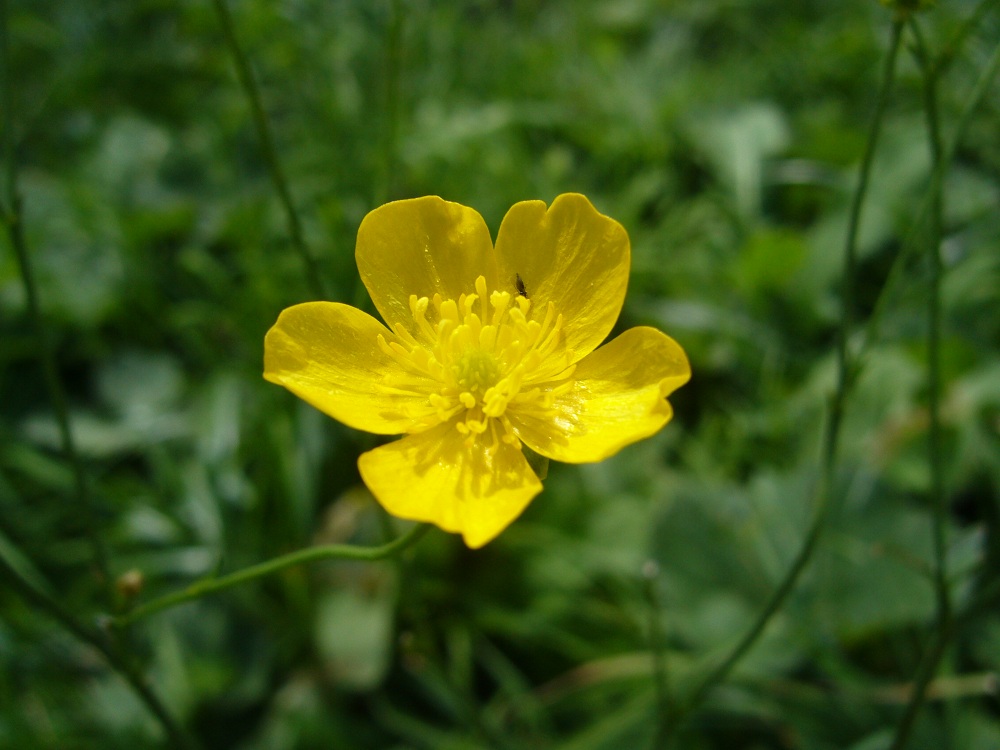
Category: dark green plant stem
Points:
column 950, row 50
column 245, row 75
column 117, row 660
column 932, row 656
column 933, row 240
column 300, row 557
column 939, row 508
column 935, row 456
column 7, row 108
column 925, row 673
column 13, row 220
column 846, row 372
column 910, row 242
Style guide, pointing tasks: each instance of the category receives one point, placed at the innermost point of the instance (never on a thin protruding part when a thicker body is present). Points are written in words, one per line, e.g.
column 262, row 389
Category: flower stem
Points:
column 13, row 220
column 938, row 499
column 954, row 44
column 846, row 372
column 928, row 665
column 910, row 241
column 269, row 567
column 115, row 658
column 315, row 277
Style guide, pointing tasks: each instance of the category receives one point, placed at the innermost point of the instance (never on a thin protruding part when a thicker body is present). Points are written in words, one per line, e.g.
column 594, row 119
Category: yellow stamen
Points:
column 483, row 351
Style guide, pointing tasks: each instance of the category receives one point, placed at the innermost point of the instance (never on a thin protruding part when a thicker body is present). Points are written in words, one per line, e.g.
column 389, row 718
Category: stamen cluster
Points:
column 483, row 355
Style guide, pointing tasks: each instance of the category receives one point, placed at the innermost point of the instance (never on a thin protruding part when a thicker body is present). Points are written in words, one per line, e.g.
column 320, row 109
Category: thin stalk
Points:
column 925, row 674
column 57, row 393
column 7, row 107
column 117, row 660
column 910, row 241
column 857, row 201
column 935, row 454
column 954, row 44
column 300, row 557
column 846, row 372
column 315, row 278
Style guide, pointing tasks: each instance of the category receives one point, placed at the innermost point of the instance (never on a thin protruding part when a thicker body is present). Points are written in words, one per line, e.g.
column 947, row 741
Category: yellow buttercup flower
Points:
column 488, row 349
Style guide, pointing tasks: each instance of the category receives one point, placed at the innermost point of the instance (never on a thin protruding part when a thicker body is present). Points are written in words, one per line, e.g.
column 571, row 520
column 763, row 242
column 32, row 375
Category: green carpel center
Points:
column 477, row 370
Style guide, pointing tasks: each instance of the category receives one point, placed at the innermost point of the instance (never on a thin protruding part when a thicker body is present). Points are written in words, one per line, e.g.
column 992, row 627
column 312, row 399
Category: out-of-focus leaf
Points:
column 737, row 143
column 354, row 630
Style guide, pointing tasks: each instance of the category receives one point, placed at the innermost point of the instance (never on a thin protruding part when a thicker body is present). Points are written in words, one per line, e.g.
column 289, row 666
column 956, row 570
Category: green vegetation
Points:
column 808, row 556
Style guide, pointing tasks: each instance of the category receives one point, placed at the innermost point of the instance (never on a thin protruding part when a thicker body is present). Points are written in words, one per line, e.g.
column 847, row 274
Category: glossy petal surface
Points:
column 571, row 255
column 421, row 246
column 328, row 355
column 438, row 476
column 618, row 398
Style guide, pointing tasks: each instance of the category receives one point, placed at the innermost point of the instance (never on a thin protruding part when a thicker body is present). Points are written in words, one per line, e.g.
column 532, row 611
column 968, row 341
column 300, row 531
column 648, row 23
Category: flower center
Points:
column 483, row 355
column 476, row 371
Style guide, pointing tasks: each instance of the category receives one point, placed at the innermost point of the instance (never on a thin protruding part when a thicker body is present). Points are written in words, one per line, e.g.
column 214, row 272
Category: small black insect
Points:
column 519, row 285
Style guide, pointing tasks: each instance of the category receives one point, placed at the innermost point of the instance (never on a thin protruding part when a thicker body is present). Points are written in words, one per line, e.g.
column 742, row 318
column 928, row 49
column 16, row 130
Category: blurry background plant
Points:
column 726, row 137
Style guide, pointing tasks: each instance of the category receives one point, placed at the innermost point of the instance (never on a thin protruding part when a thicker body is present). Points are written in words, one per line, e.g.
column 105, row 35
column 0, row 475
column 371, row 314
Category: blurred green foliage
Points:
column 725, row 136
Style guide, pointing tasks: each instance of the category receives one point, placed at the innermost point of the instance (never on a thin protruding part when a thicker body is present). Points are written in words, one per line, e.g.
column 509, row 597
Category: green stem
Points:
column 929, row 664
column 299, row 557
column 57, row 394
column 846, row 372
column 954, row 44
column 115, row 658
column 243, row 72
column 857, row 201
column 925, row 673
column 935, row 453
column 911, row 240
column 7, row 107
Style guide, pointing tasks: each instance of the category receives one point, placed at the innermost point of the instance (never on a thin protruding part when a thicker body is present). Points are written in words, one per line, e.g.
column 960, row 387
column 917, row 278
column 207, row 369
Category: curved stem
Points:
column 910, row 241
column 269, row 567
column 938, row 499
column 857, row 201
column 245, row 75
column 928, row 665
column 7, row 106
column 846, row 372
column 954, row 44
column 57, row 393
column 925, row 674
column 115, row 658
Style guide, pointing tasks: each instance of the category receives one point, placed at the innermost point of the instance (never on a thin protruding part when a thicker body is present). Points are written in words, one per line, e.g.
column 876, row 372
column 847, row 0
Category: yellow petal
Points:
column 436, row 476
column 422, row 246
column 570, row 255
column 618, row 398
column 328, row 355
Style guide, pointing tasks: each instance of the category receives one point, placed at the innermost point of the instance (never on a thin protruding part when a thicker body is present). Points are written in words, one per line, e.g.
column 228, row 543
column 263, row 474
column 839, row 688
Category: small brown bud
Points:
column 130, row 583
